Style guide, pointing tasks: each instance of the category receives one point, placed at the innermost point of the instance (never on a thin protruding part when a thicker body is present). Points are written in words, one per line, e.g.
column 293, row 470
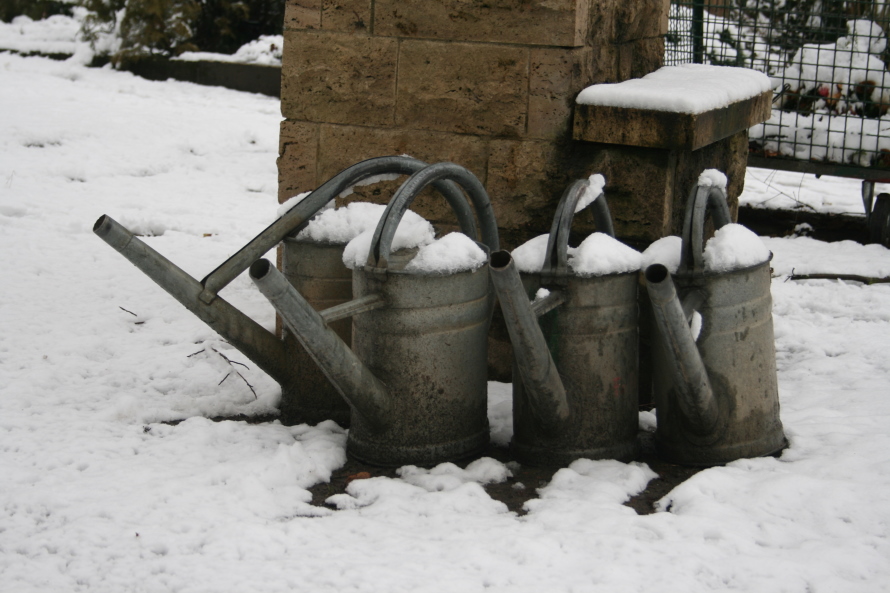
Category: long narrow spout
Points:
column 254, row 341
column 364, row 392
column 533, row 359
column 694, row 394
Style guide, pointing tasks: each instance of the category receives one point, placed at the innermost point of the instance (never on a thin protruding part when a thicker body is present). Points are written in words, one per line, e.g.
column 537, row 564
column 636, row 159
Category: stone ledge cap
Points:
column 676, row 107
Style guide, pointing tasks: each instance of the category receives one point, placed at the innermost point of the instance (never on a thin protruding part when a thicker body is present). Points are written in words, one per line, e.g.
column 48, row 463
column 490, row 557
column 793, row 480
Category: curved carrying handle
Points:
column 556, row 258
column 296, row 219
column 381, row 244
column 702, row 199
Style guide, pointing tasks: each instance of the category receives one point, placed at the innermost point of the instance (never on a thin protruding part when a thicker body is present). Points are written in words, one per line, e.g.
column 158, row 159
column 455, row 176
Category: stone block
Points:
column 559, row 23
column 342, row 146
column 302, row 14
column 338, row 78
column 297, row 158
column 556, row 75
column 350, row 16
column 668, row 129
column 462, row 87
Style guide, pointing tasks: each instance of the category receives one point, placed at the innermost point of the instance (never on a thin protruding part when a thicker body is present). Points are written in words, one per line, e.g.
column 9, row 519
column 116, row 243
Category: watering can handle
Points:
column 381, row 244
column 702, row 199
column 299, row 216
column 556, row 258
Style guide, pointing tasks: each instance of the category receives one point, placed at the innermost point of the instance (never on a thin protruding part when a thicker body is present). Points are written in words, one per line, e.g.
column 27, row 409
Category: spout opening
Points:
column 500, row 259
column 99, row 223
column 259, row 269
column 656, row 273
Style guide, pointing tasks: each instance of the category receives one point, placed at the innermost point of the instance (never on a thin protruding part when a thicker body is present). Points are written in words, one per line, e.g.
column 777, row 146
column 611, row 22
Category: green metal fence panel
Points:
column 828, row 63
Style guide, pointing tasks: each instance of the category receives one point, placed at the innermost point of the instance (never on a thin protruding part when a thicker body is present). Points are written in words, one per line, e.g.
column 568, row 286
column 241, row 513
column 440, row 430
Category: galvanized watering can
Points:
column 716, row 397
column 307, row 396
column 575, row 368
column 416, row 376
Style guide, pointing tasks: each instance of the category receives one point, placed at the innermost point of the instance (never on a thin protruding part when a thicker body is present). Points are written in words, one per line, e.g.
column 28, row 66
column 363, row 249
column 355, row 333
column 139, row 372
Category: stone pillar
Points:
column 488, row 85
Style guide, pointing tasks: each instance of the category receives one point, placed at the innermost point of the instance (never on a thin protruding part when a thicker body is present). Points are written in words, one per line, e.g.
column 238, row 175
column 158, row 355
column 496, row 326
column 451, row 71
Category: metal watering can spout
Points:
column 534, row 361
column 200, row 297
column 695, row 396
column 364, row 392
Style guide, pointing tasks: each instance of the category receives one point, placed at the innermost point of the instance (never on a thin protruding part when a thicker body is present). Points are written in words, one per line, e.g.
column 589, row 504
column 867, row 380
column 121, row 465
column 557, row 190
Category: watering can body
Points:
column 575, row 366
column 316, row 271
column 736, row 345
column 416, row 375
column 716, row 393
column 593, row 339
column 429, row 347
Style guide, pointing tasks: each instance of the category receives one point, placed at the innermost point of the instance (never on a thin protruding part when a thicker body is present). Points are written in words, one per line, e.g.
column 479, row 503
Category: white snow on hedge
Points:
column 689, row 88
column 263, row 51
column 600, row 255
column 58, row 34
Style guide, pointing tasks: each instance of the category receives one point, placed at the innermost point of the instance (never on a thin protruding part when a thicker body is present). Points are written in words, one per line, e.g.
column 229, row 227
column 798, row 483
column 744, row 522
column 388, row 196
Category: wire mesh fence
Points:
column 828, row 63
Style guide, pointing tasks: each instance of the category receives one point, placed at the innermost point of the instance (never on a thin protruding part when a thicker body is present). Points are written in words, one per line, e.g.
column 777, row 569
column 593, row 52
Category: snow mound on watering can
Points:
column 455, row 252
column 599, row 254
column 666, row 251
column 342, row 225
column 413, row 231
column 734, row 247
column 529, row 257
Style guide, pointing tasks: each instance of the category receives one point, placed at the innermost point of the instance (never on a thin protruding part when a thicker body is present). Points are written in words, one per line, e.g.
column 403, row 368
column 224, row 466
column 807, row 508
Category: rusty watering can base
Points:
column 540, row 455
column 396, row 455
column 737, row 349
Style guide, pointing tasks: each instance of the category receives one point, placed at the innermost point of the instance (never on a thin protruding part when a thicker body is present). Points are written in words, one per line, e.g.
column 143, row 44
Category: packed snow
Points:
column 665, row 251
column 453, row 253
column 413, row 231
column 712, row 178
column 601, row 255
column 593, row 190
column 597, row 255
column 101, row 491
column 733, row 247
column 689, row 88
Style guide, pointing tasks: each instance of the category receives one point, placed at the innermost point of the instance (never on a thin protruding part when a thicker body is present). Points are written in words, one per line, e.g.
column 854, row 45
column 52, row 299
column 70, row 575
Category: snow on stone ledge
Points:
column 689, row 88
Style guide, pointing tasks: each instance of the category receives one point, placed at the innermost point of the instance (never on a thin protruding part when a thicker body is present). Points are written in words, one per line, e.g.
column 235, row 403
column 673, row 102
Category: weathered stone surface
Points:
column 525, row 180
column 352, row 16
column 338, row 78
column 561, row 23
column 342, row 146
column 297, row 158
column 462, row 87
column 666, row 129
column 728, row 155
column 556, row 75
column 302, row 14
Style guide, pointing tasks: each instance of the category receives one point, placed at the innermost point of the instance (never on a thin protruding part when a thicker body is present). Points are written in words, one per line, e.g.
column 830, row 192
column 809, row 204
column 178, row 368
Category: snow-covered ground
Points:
column 97, row 493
